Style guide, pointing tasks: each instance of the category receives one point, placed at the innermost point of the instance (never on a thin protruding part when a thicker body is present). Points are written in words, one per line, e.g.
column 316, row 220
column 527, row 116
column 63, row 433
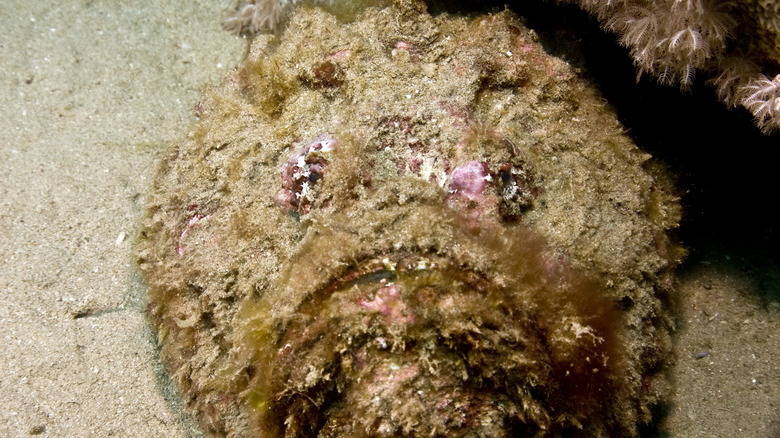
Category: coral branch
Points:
column 734, row 42
column 764, row 102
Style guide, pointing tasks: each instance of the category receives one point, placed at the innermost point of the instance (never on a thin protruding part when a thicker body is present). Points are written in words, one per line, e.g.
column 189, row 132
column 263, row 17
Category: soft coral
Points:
column 253, row 16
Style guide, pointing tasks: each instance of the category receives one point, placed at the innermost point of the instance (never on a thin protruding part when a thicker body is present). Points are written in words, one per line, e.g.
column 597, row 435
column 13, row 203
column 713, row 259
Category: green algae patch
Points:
column 406, row 224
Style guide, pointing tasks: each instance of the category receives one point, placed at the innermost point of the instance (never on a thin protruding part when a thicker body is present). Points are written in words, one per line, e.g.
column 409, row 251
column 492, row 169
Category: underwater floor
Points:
column 91, row 92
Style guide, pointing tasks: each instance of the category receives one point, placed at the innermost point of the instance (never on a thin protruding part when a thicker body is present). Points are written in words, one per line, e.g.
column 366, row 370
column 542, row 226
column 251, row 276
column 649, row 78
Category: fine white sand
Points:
column 90, row 93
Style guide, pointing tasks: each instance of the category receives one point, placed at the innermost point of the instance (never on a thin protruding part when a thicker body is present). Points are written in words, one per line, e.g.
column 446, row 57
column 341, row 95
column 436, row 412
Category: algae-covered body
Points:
column 410, row 225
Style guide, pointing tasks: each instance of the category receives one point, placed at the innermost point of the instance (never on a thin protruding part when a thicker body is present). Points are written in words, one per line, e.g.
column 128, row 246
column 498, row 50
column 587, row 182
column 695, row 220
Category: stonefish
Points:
column 409, row 224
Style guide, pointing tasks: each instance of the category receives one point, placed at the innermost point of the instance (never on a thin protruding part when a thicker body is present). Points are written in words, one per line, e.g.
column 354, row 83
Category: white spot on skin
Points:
column 429, row 171
column 304, row 190
column 580, row 330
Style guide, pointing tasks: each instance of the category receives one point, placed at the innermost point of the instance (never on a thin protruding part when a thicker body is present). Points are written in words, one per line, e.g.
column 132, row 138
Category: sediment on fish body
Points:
column 410, row 225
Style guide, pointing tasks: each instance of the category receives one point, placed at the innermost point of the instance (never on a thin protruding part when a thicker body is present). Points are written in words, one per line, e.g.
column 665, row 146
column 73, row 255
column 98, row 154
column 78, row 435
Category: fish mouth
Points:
column 415, row 343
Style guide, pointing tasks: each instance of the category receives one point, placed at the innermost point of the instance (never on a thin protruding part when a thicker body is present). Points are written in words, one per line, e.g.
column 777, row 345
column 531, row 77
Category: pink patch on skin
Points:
column 389, row 303
column 447, row 303
column 375, row 305
column 409, row 48
column 550, row 69
column 194, row 220
column 414, row 165
column 470, row 179
column 342, row 55
column 467, row 192
column 302, row 170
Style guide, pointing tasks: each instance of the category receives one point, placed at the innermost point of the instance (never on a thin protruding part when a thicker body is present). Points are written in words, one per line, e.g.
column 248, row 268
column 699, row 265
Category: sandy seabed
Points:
column 90, row 94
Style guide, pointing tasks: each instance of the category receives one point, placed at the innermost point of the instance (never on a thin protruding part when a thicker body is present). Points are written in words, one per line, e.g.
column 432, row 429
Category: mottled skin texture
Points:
column 349, row 290
column 735, row 43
